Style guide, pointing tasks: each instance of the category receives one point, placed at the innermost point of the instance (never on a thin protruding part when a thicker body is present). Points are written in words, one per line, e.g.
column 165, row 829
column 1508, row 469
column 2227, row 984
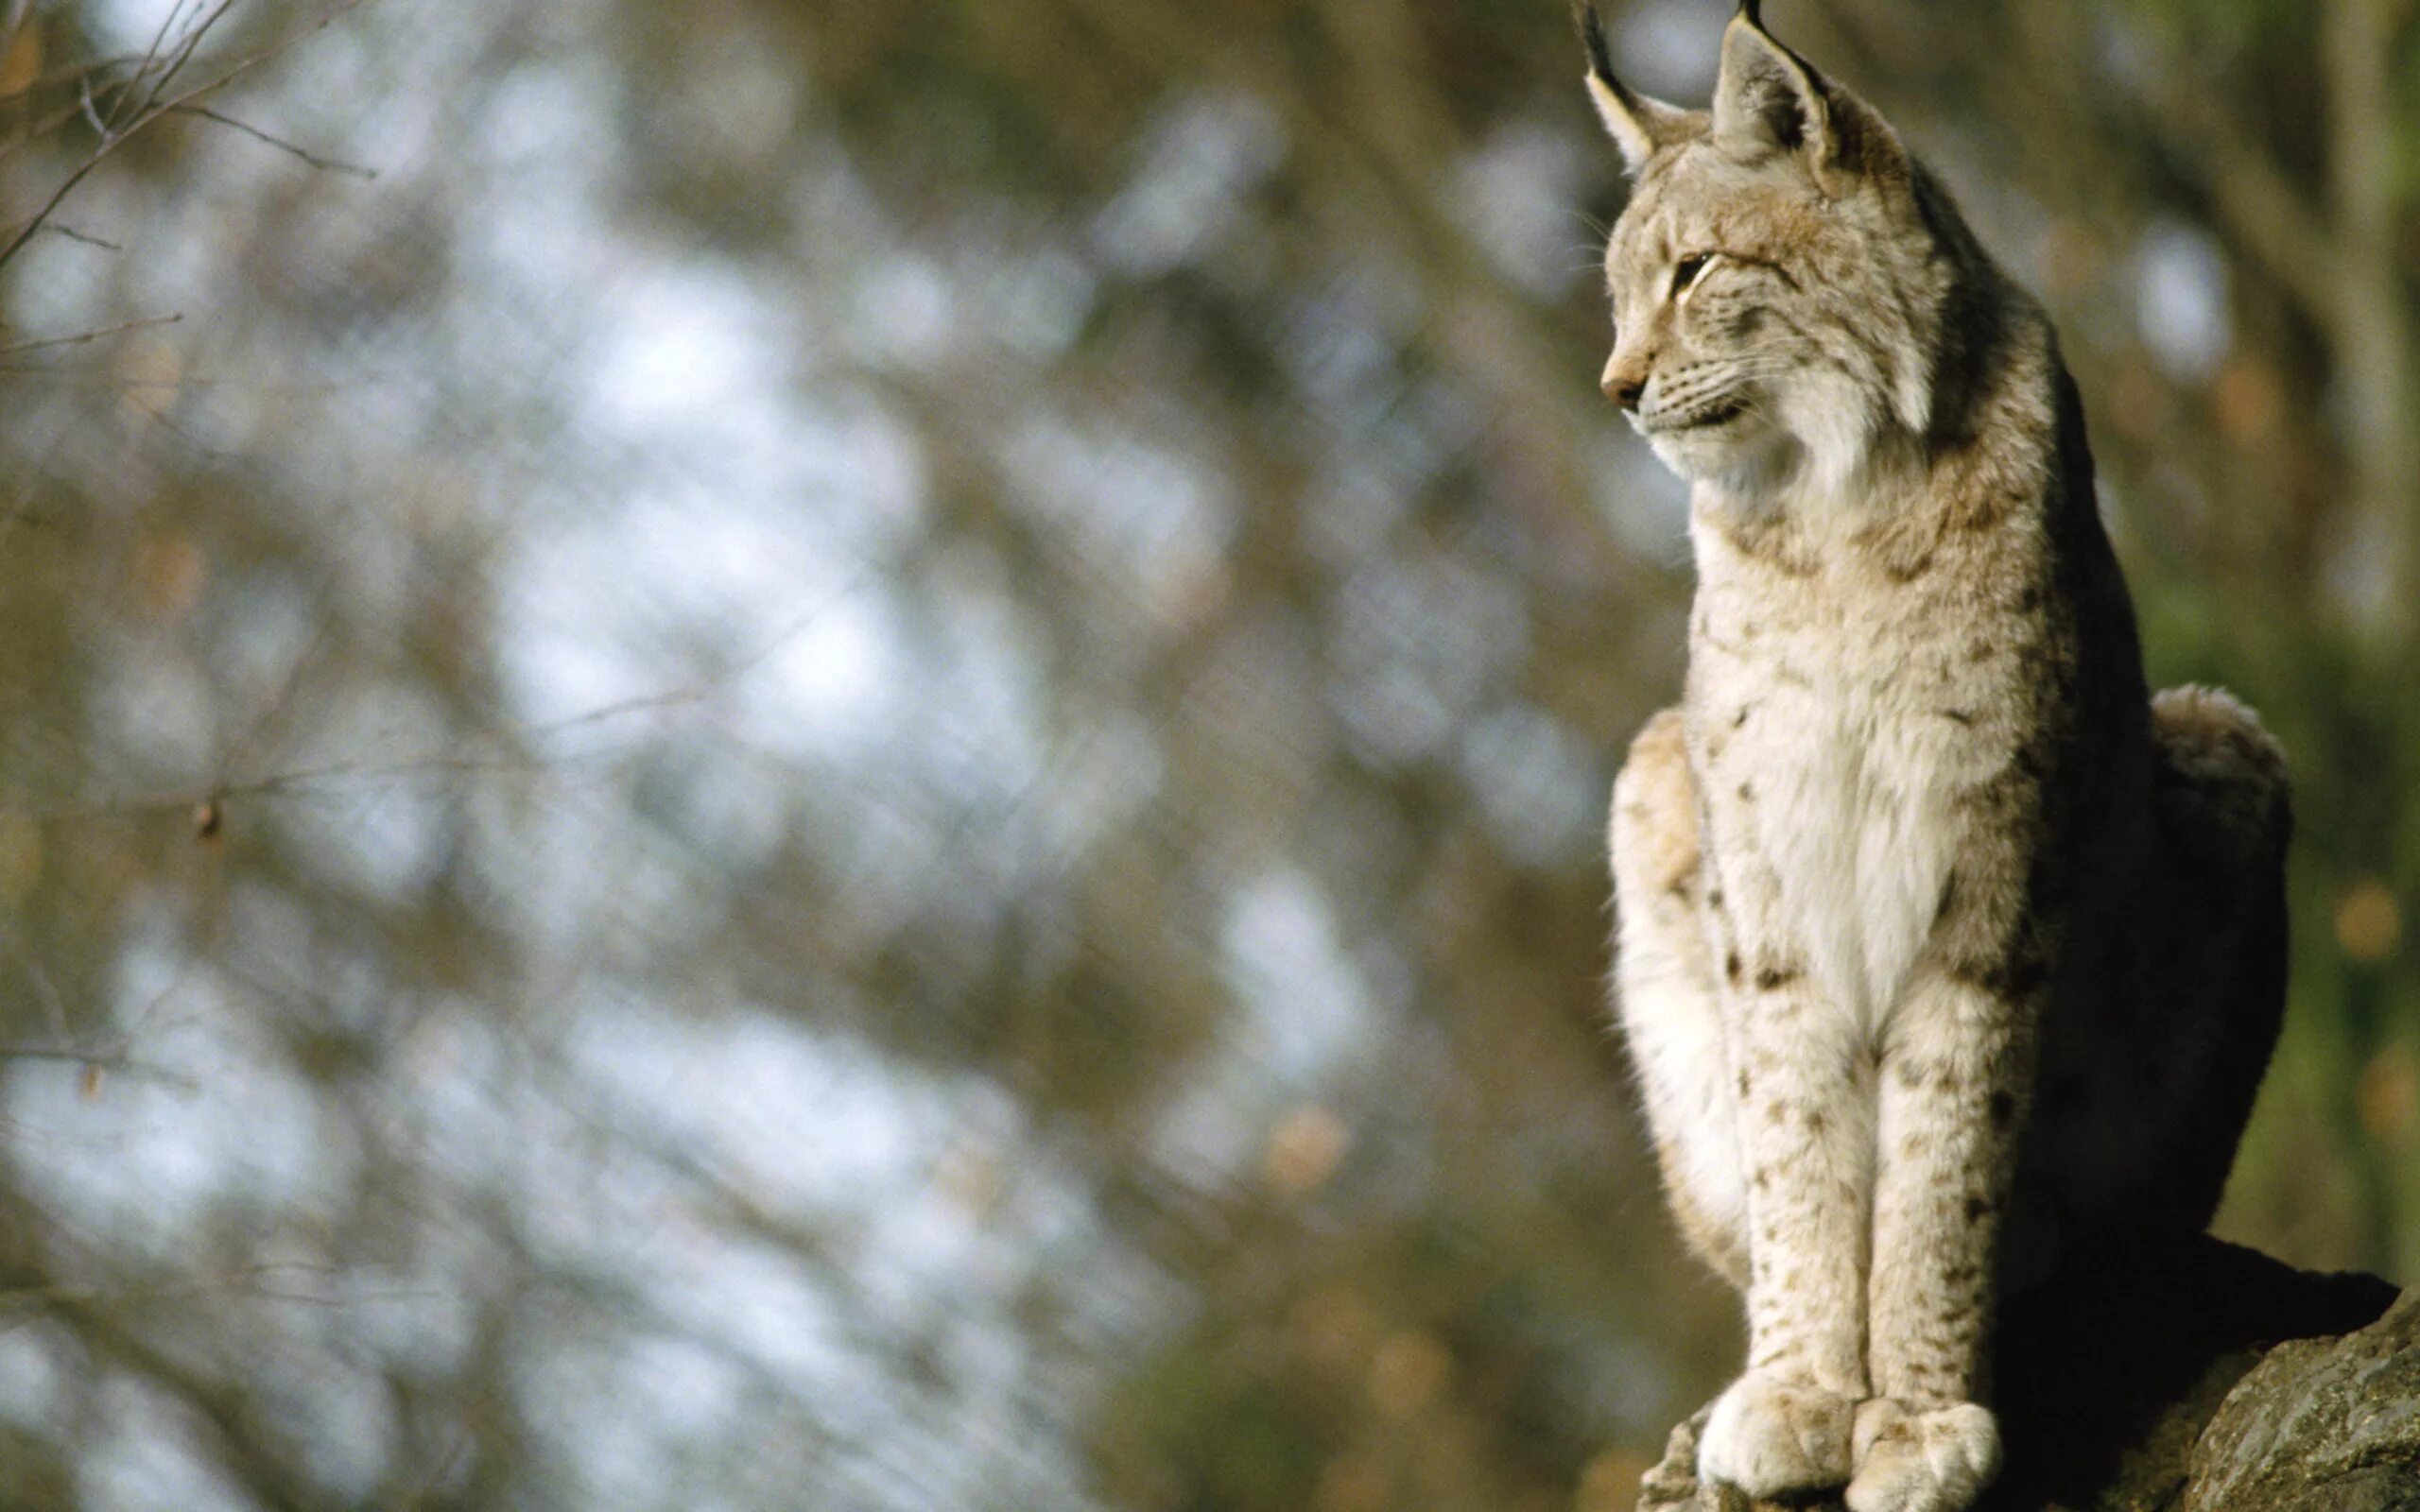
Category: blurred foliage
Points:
column 854, row 755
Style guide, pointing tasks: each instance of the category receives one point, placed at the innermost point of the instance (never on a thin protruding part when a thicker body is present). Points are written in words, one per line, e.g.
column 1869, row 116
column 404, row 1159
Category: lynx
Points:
column 1941, row 942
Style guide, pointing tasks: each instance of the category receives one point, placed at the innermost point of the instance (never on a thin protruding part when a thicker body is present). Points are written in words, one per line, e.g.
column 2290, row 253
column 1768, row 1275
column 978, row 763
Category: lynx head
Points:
column 1779, row 277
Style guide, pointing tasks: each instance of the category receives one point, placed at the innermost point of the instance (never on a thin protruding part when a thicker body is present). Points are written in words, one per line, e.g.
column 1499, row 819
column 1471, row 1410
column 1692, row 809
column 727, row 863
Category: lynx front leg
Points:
column 1806, row 1133
column 1955, row 1079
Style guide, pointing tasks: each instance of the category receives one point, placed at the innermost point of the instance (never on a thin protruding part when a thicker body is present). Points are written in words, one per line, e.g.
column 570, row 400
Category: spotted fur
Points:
column 1940, row 940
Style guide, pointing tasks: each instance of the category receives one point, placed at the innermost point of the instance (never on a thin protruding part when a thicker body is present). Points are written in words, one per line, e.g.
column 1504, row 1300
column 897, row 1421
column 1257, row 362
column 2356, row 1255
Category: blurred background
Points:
column 851, row 755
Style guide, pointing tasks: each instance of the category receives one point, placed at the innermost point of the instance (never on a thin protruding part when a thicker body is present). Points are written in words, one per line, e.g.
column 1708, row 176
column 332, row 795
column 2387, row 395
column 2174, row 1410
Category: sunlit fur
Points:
column 1942, row 945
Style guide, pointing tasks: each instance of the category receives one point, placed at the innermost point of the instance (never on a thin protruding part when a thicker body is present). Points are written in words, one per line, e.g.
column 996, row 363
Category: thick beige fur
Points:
column 1941, row 944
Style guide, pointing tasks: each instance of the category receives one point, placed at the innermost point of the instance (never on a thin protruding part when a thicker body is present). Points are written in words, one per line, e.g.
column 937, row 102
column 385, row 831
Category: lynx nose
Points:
column 1625, row 379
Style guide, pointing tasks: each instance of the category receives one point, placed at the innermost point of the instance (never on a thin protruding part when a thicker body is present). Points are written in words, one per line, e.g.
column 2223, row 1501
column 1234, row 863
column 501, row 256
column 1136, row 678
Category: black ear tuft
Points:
column 1638, row 124
column 1751, row 12
column 1592, row 33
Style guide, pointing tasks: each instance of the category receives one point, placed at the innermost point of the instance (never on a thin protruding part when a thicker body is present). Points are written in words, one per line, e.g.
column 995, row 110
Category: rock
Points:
column 2189, row 1375
column 2328, row 1424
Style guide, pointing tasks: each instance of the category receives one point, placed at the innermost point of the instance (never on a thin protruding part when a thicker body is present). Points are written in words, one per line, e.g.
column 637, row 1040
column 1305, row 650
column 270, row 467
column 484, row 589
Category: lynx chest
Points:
column 1839, row 718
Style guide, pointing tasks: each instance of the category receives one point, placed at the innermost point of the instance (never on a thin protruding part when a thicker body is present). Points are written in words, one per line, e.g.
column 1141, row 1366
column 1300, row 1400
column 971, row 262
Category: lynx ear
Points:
column 1768, row 94
column 1638, row 124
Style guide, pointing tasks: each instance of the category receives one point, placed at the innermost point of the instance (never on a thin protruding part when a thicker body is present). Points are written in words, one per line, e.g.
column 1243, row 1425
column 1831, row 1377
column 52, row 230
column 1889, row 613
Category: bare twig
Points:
column 34, row 130
column 80, row 338
column 154, row 59
column 87, row 238
column 119, row 1063
column 331, row 164
column 85, row 101
column 249, row 1279
column 57, row 196
column 305, row 779
column 246, row 64
column 73, row 73
column 62, row 375
column 137, row 107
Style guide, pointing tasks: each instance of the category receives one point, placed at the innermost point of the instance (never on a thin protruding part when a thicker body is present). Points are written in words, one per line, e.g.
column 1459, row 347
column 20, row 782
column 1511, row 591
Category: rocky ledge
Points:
column 2194, row 1376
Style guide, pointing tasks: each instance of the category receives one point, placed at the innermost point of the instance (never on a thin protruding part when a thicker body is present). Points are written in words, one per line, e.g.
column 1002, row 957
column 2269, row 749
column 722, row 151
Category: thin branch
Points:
column 154, row 59
column 187, row 50
column 29, row 132
column 57, row 196
column 161, row 71
column 73, row 72
column 331, row 164
column 62, row 375
column 79, row 1057
column 87, row 238
column 84, row 100
column 454, row 760
column 118, row 1061
column 235, row 1431
column 246, row 64
column 251, row 1280
column 86, row 338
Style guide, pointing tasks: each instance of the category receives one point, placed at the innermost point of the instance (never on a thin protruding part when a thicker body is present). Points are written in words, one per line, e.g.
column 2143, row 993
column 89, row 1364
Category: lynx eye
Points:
column 1686, row 271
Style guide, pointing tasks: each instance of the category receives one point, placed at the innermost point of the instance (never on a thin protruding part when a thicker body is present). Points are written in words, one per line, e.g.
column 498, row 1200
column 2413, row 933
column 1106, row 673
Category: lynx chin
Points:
column 1944, row 947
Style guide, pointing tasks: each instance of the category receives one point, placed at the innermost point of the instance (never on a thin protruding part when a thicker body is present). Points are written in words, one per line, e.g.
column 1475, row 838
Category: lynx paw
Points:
column 1770, row 1437
column 1674, row 1483
column 1916, row 1461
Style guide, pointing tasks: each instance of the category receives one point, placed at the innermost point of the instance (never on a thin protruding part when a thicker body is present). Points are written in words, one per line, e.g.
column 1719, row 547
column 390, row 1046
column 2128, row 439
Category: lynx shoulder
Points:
column 1940, row 939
